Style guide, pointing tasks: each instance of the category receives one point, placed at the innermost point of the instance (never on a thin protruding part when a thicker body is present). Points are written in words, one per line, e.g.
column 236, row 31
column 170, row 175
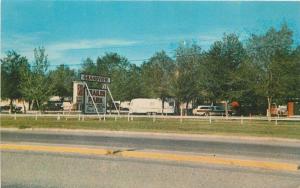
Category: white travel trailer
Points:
column 150, row 106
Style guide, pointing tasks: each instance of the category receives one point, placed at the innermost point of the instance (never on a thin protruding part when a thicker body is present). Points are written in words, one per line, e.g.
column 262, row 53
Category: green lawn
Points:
column 224, row 127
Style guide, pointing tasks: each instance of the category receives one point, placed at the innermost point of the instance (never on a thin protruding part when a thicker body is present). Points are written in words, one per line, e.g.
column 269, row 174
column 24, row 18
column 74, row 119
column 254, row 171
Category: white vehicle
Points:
column 282, row 110
column 125, row 105
column 150, row 106
column 202, row 110
column 67, row 106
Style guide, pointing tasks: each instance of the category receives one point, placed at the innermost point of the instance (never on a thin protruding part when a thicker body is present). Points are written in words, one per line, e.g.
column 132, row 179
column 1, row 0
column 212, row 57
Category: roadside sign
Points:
column 99, row 97
column 94, row 78
column 91, row 101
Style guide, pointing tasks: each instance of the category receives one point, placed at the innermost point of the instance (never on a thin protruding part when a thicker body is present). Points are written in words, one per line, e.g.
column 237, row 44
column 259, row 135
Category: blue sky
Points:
column 74, row 30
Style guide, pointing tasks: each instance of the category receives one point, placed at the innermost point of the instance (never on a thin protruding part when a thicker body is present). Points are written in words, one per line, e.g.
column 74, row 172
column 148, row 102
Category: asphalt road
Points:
column 215, row 147
column 31, row 169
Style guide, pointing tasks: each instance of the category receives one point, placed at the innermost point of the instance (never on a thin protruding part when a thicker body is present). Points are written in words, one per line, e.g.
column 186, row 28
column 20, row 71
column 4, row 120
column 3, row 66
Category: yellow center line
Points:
column 213, row 160
column 157, row 156
column 54, row 149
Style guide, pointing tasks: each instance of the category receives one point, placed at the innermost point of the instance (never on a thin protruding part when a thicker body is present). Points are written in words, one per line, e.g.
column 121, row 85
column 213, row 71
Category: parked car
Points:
column 54, row 106
column 282, row 110
column 202, row 110
column 4, row 108
column 219, row 111
column 15, row 109
column 205, row 110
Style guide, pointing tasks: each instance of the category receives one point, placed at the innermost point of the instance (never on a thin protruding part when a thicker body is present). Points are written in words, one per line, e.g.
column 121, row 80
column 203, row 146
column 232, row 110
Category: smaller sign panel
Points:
column 99, row 97
column 80, row 90
column 78, row 93
column 94, row 78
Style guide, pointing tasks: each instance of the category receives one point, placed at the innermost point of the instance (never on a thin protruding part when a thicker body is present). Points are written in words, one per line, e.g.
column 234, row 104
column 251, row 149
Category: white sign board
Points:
column 99, row 97
column 94, row 78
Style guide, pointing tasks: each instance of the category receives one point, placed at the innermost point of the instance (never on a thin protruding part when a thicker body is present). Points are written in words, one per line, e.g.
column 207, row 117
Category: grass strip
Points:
column 283, row 129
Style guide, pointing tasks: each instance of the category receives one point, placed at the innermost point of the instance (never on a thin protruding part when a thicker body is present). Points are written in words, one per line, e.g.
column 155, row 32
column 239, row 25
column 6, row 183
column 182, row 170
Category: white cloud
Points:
column 59, row 51
column 204, row 40
column 22, row 44
column 56, row 50
column 87, row 44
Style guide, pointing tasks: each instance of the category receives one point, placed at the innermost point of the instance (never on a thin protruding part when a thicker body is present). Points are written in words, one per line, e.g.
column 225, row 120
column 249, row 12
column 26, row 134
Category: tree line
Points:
column 257, row 72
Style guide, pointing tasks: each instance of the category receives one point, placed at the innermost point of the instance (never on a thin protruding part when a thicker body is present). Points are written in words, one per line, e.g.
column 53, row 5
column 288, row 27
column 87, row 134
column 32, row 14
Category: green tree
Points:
column 12, row 68
column 156, row 76
column 62, row 78
column 271, row 52
column 88, row 67
column 134, row 83
column 245, row 84
column 114, row 66
column 290, row 75
column 187, row 73
column 36, row 84
column 221, row 66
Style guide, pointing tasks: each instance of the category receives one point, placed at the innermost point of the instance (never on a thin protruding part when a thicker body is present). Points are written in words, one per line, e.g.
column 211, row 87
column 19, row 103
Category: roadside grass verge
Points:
column 284, row 129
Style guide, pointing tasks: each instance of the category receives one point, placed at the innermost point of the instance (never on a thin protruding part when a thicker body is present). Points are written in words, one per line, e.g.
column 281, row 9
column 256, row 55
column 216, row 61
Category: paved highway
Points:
column 42, row 168
column 264, row 149
column 38, row 169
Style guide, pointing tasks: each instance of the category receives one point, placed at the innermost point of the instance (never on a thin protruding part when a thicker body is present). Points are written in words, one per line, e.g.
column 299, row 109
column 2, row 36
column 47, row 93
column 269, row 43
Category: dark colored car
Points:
column 54, row 106
column 219, row 111
column 15, row 109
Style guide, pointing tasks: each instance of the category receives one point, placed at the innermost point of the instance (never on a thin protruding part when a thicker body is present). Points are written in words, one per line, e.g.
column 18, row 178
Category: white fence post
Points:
column 180, row 114
column 36, row 114
column 128, row 116
column 242, row 120
column 15, row 117
column 78, row 117
column 209, row 119
column 100, row 118
column 58, row 117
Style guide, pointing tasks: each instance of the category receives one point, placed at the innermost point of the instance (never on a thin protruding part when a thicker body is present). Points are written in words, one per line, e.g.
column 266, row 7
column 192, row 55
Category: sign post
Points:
column 113, row 100
column 94, row 100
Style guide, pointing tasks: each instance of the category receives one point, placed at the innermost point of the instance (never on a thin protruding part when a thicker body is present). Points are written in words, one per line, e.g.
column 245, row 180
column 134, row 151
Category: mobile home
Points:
column 150, row 106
